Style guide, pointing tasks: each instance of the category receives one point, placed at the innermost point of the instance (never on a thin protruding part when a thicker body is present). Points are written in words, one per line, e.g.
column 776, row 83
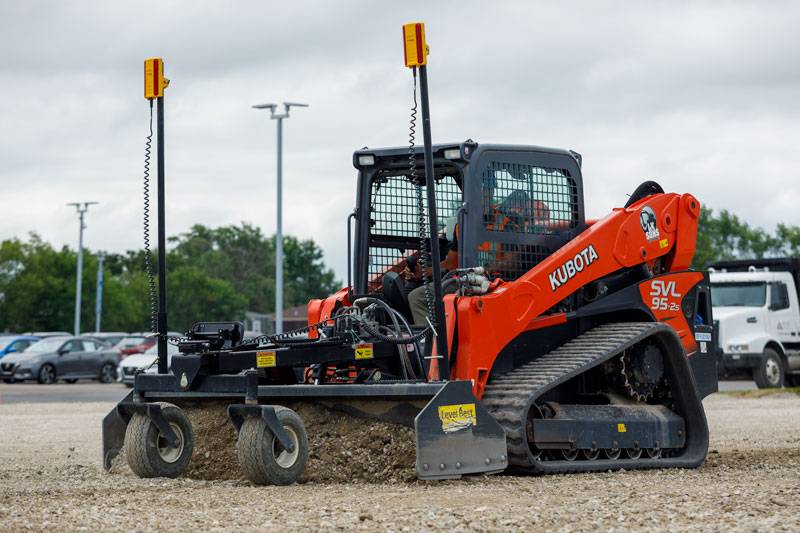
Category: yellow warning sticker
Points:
column 457, row 417
column 663, row 243
column 621, row 428
column 266, row 359
column 364, row 351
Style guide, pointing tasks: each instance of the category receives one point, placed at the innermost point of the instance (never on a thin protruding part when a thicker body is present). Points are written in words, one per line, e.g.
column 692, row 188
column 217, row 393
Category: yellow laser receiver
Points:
column 154, row 80
column 415, row 48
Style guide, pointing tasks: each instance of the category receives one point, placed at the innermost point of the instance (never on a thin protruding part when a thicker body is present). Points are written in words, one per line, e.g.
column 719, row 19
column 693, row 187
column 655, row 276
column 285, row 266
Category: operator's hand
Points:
column 411, row 275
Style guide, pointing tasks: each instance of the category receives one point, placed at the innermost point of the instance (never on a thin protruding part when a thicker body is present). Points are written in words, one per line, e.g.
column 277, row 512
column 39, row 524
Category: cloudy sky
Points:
column 703, row 97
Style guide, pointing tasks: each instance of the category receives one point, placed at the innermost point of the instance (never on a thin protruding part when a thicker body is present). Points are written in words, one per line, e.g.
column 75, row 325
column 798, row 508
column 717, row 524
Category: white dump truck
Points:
column 757, row 317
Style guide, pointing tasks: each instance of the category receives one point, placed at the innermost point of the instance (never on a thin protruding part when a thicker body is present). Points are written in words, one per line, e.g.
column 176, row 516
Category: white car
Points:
column 130, row 365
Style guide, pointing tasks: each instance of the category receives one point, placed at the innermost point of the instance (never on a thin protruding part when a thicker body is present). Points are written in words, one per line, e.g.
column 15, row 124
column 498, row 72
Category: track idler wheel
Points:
column 263, row 459
column 148, row 449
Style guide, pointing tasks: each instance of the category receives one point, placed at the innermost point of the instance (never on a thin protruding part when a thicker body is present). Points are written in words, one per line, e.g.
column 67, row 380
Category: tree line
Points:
column 219, row 273
column 213, row 274
column 724, row 236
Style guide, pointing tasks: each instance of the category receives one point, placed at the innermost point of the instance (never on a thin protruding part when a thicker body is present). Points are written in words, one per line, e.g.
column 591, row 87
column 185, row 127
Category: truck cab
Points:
column 757, row 317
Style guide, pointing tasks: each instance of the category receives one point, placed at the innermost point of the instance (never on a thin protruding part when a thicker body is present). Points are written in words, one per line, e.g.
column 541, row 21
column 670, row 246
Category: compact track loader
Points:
column 552, row 343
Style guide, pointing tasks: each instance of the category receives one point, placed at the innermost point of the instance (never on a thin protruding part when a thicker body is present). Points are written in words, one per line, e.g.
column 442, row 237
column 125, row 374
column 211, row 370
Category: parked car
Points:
column 757, row 317
column 15, row 343
column 135, row 344
column 110, row 337
column 55, row 358
column 140, row 343
column 130, row 365
column 45, row 334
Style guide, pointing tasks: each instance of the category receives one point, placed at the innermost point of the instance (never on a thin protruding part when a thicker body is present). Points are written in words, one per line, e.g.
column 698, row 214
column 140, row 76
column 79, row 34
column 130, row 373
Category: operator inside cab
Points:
column 513, row 214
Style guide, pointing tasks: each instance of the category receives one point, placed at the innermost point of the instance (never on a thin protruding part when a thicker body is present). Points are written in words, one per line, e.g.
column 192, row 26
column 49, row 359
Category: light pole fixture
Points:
column 98, row 305
column 81, row 208
column 279, row 233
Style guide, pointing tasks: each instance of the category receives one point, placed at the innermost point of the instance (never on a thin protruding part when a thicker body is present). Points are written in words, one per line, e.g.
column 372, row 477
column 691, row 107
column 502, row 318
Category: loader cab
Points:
column 512, row 207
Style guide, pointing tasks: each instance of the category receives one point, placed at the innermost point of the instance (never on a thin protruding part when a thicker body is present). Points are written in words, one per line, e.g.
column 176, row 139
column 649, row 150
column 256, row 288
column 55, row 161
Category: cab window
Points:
column 20, row 345
column 778, row 296
column 72, row 346
column 528, row 199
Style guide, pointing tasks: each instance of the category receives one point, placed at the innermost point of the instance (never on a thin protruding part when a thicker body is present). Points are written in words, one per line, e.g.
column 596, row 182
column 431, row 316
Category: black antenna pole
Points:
column 433, row 221
column 162, row 246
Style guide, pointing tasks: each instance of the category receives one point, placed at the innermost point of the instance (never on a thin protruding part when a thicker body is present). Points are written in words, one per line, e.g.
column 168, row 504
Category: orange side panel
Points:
column 664, row 296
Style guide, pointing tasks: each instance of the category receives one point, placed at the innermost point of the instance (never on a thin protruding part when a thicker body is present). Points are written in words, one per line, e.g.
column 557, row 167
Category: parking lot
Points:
column 51, row 478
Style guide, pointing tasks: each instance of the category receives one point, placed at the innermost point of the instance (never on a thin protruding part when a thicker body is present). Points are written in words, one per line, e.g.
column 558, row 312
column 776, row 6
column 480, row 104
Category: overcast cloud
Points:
column 703, row 97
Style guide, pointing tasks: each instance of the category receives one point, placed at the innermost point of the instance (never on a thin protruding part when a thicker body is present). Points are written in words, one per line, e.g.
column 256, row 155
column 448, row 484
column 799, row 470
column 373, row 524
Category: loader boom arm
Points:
column 487, row 323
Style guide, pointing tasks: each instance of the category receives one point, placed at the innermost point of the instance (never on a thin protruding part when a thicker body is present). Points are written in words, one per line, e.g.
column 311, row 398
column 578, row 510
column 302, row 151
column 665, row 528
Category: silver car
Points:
column 145, row 362
column 57, row 358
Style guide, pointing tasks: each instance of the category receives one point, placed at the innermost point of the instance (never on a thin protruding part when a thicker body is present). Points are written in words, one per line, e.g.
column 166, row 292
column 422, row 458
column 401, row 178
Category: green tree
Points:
column 724, row 236
column 245, row 258
column 213, row 274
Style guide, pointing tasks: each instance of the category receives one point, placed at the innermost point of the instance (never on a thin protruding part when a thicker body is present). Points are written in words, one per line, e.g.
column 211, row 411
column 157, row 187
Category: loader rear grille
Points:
column 395, row 218
column 535, row 200
column 527, row 213
column 510, row 261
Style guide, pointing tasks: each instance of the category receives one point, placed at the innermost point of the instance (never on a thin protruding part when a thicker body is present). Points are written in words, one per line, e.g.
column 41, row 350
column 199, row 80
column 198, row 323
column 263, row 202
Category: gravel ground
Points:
column 50, row 478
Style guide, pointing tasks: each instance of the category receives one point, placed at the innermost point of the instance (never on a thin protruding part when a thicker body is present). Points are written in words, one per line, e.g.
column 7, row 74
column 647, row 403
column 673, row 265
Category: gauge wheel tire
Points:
column 769, row 374
column 47, row 374
column 263, row 460
column 71, row 381
column 149, row 454
column 108, row 373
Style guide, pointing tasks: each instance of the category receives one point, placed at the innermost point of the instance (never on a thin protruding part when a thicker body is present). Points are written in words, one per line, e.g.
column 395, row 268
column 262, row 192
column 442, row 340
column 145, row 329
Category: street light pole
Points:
column 279, row 232
column 81, row 209
column 98, row 306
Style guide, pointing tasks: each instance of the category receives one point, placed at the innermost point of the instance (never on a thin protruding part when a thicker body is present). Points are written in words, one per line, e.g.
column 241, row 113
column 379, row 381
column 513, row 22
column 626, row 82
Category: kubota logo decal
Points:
column 567, row 271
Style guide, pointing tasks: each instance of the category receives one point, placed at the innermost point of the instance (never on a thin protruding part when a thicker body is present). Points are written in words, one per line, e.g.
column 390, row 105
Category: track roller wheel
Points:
column 147, row 450
column 653, row 453
column 592, row 454
column 612, row 453
column 569, row 454
column 263, row 460
column 633, row 453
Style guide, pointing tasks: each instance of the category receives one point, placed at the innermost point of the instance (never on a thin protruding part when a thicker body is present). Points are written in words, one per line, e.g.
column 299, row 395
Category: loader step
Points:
column 509, row 398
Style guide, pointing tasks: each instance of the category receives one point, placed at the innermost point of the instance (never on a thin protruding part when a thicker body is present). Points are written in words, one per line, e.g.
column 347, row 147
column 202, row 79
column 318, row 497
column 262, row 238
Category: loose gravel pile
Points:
column 51, row 479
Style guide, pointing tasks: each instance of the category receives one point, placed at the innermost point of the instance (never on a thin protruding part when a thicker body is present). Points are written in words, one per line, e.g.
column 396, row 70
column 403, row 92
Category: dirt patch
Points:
column 214, row 454
column 348, row 449
column 342, row 448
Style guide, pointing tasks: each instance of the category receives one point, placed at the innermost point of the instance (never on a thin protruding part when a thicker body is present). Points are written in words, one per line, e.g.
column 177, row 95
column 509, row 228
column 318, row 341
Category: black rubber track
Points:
column 510, row 396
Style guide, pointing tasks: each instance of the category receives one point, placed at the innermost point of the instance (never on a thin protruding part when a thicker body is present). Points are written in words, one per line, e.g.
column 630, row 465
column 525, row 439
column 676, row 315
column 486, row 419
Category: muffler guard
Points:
column 456, row 435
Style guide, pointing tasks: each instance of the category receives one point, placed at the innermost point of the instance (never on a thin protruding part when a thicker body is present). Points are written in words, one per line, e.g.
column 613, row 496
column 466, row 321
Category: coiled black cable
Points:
column 148, row 256
column 424, row 255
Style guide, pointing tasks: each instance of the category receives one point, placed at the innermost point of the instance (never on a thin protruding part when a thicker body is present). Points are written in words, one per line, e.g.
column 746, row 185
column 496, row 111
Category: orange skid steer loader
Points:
column 482, row 309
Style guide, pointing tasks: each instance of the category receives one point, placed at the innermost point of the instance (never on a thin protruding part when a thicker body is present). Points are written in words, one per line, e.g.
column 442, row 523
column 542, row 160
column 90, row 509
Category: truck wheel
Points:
column 148, row 452
column 263, row 460
column 769, row 374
